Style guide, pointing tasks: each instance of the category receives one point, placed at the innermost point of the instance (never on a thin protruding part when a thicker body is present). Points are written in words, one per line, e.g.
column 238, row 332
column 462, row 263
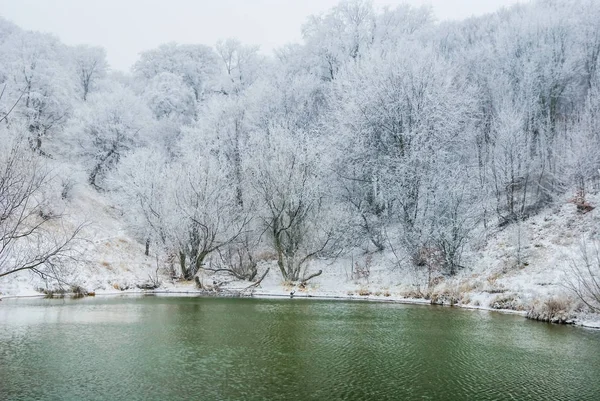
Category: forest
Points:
column 384, row 130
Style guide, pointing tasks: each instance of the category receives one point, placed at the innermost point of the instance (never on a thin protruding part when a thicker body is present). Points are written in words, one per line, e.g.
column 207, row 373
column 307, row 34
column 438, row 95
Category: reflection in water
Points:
column 193, row 348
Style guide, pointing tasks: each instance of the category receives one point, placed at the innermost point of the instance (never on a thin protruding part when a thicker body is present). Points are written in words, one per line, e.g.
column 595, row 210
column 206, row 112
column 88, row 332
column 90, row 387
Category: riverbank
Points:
column 592, row 322
column 517, row 269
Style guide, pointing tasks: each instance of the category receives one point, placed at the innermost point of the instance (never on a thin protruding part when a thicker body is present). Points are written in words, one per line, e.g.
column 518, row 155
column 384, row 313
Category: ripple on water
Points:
column 171, row 348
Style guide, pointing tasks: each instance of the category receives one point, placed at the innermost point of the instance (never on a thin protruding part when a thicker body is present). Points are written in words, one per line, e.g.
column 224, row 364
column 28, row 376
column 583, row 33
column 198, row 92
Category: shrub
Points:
column 553, row 310
column 362, row 271
column 53, row 292
column 364, row 292
column 507, row 301
column 444, row 297
column 78, row 291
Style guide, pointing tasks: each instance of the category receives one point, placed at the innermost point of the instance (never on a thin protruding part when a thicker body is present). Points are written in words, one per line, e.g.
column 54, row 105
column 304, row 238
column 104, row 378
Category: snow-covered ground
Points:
column 111, row 261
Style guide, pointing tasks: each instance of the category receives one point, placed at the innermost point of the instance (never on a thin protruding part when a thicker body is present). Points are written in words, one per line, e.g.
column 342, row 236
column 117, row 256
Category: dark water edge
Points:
column 160, row 348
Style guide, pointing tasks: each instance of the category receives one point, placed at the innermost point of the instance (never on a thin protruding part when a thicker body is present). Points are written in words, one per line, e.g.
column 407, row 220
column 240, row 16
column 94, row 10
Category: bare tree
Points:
column 236, row 260
column 210, row 224
column 294, row 203
column 30, row 238
column 583, row 275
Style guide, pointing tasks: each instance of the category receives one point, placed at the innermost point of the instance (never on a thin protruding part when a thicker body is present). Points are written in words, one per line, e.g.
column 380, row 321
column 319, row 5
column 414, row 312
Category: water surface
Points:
column 168, row 348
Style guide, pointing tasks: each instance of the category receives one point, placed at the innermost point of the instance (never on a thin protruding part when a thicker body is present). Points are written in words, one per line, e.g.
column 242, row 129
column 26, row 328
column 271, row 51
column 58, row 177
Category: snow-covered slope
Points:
column 106, row 257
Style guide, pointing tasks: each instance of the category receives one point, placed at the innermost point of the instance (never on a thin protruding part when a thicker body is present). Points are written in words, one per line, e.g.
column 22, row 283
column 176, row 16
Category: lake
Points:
column 172, row 348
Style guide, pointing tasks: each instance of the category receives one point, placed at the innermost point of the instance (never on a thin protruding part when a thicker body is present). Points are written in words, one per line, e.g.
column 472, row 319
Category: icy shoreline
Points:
column 182, row 292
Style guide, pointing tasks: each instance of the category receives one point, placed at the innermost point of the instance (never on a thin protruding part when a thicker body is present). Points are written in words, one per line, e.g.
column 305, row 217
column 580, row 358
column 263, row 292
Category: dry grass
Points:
column 553, row 310
column 414, row 294
column 492, row 286
column 288, row 285
column 446, row 297
column 507, row 301
column 469, row 286
column 364, row 292
column 491, row 279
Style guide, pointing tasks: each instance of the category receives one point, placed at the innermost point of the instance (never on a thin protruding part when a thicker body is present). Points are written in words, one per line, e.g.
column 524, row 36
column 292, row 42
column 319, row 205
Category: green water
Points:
column 167, row 348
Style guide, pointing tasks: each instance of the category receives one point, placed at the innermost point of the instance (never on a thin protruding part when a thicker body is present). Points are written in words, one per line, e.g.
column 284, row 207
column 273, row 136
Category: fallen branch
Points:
column 304, row 280
column 257, row 283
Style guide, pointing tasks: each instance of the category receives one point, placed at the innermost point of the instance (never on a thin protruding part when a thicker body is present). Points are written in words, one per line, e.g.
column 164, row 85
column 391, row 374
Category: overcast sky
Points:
column 127, row 27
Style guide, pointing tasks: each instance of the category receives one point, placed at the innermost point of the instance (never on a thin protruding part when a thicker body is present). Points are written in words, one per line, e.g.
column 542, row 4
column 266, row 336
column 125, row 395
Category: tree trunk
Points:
column 199, row 263
column 184, row 270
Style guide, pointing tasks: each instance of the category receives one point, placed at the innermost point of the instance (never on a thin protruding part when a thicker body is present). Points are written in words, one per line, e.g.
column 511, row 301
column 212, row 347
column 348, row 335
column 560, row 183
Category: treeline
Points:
column 384, row 130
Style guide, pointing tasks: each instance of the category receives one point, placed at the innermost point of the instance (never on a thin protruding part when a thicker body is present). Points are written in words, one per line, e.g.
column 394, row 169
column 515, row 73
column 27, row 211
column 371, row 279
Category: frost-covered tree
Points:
column 343, row 34
column 173, row 105
column 31, row 238
column 294, row 208
column 583, row 275
column 210, row 216
column 581, row 151
column 242, row 64
column 137, row 185
column 393, row 25
column 169, row 98
column 197, row 65
column 109, row 124
column 224, row 120
column 90, row 66
column 37, row 71
column 398, row 122
column 187, row 206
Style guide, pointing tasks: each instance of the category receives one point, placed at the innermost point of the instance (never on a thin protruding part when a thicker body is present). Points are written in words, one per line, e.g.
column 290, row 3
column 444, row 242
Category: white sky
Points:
column 127, row 27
